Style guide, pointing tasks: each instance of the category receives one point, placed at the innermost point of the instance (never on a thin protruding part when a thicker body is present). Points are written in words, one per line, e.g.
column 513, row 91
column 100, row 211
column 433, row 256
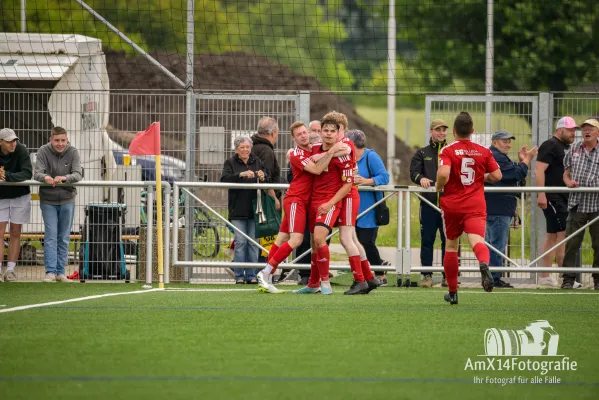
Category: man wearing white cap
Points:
column 549, row 171
column 582, row 170
column 15, row 202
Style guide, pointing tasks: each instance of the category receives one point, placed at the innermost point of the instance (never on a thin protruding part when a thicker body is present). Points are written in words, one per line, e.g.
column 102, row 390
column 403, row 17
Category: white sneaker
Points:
column 547, row 281
column 576, row 285
column 10, row 276
column 62, row 278
column 264, row 285
column 50, row 277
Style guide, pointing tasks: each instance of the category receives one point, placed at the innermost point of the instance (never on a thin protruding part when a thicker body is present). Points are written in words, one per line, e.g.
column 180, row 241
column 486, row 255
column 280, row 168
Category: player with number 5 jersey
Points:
column 464, row 166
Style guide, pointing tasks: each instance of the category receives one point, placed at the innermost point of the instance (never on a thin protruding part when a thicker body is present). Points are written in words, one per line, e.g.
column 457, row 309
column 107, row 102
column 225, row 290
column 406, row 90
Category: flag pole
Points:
column 159, row 229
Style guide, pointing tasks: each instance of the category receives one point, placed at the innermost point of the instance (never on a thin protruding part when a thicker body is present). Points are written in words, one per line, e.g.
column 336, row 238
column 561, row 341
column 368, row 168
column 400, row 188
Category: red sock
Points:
column 274, row 248
column 356, row 268
column 366, row 270
column 322, row 262
column 280, row 256
column 314, row 280
column 482, row 253
column 451, row 266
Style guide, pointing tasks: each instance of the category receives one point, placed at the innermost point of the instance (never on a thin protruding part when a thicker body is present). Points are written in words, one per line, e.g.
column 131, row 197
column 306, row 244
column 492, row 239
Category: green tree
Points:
column 539, row 45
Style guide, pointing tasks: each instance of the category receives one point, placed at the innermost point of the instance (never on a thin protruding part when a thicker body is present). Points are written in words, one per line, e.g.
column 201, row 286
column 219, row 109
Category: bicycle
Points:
column 206, row 239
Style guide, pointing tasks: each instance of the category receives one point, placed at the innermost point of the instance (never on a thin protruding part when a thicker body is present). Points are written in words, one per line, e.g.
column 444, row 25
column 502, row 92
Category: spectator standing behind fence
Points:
column 549, row 171
column 371, row 172
column 263, row 148
column 581, row 165
column 243, row 167
column 57, row 162
column 501, row 207
column 423, row 172
column 15, row 201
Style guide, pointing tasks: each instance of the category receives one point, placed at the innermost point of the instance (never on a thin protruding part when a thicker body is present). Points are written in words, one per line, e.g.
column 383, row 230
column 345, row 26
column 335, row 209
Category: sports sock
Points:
column 11, row 266
column 273, row 249
column 269, row 269
column 0, row 267
column 314, row 280
column 280, row 256
column 451, row 267
column 481, row 251
column 366, row 271
column 322, row 262
column 356, row 268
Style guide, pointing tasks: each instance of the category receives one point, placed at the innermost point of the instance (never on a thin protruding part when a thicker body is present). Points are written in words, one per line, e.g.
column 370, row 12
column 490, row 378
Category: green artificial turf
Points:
column 237, row 343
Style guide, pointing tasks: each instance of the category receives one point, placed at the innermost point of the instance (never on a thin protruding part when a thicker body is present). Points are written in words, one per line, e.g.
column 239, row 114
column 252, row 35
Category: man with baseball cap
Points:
column 581, row 165
column 15, row 201
column 423, row 172
column 549, row 171
column 501, row 207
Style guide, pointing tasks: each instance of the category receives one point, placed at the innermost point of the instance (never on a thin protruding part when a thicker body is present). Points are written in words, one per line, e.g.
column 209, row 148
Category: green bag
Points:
column 271, row 221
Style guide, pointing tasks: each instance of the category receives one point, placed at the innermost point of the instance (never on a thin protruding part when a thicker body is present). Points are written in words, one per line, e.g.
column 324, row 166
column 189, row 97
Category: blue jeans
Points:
column 497, row 233
column 57, row 227
column 244, row 250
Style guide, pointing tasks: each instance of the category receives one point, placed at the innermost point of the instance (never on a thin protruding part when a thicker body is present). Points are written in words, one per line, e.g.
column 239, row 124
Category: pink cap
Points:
column 566, row 122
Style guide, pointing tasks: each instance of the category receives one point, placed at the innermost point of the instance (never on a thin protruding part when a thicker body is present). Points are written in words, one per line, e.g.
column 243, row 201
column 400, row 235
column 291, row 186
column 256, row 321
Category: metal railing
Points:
column 176, row 262
column 149, row 223
column 529, row 267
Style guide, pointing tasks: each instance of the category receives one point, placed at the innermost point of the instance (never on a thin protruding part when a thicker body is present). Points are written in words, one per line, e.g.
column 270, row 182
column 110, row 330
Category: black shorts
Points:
column 555, row 217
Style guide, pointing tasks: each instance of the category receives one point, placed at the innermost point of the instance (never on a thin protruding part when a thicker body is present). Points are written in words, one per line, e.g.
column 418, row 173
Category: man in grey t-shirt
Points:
column 57, row 162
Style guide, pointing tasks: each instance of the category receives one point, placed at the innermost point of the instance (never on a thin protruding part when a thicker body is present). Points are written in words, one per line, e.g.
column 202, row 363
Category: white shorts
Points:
column 17, row 211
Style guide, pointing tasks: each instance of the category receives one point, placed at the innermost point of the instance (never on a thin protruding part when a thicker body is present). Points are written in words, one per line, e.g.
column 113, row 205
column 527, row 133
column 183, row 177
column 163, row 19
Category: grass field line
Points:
column 348, row 379
column 410, row 292
column 77, row 299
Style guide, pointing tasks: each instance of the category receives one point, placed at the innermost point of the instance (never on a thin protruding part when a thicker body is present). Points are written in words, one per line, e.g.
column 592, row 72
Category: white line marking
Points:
column 53, row 303
column 2, row 305
column 436, row 292
column 540, row 293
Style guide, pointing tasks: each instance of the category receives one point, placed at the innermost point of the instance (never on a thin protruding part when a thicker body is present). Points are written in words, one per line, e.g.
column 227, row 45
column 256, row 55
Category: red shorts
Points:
column 328, row 220
column 454, row 224
column 294, row 220
column 350, row 207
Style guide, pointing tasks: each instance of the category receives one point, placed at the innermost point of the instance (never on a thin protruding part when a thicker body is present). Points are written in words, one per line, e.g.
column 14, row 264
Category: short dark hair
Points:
column 58, row 130
column 329, row 121
column 463, row 124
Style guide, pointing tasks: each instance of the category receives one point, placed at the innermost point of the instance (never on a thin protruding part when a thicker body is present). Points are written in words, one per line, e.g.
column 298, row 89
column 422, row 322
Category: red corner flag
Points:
column 146, row 142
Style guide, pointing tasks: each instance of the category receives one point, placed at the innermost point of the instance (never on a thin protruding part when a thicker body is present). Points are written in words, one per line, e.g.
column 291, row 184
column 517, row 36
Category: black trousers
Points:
column 367, row 237
column 577, row 220
column 430, row 223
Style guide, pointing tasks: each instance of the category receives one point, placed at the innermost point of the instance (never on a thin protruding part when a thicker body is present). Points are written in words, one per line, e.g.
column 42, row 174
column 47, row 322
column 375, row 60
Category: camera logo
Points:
column 538, row 338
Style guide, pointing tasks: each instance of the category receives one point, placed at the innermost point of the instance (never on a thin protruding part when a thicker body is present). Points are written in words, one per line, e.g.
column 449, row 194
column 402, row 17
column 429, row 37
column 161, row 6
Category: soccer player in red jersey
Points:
column 330, row 187
column 364, row 280
column 464, row 166
column 296, row 202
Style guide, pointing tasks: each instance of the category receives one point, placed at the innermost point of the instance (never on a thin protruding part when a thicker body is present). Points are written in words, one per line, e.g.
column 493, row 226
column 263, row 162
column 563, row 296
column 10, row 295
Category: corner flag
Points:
column 148, row 143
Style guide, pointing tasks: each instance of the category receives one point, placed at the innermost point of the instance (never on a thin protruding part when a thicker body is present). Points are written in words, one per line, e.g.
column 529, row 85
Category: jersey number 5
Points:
column 467, row 173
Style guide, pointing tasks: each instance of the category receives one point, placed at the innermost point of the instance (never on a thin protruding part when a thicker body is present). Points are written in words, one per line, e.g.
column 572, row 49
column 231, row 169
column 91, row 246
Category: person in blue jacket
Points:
column 371, row 172
column 501, row 207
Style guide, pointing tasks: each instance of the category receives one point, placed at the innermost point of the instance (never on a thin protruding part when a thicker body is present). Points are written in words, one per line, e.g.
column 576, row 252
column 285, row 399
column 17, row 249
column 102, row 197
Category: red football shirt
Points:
column 469, row 161
column 354, row 189
column 300, row 187
column 339, row 172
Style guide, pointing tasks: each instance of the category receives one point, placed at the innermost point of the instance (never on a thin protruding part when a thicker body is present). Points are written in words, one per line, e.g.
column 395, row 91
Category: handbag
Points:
column 266, row 217
column 381, row 211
